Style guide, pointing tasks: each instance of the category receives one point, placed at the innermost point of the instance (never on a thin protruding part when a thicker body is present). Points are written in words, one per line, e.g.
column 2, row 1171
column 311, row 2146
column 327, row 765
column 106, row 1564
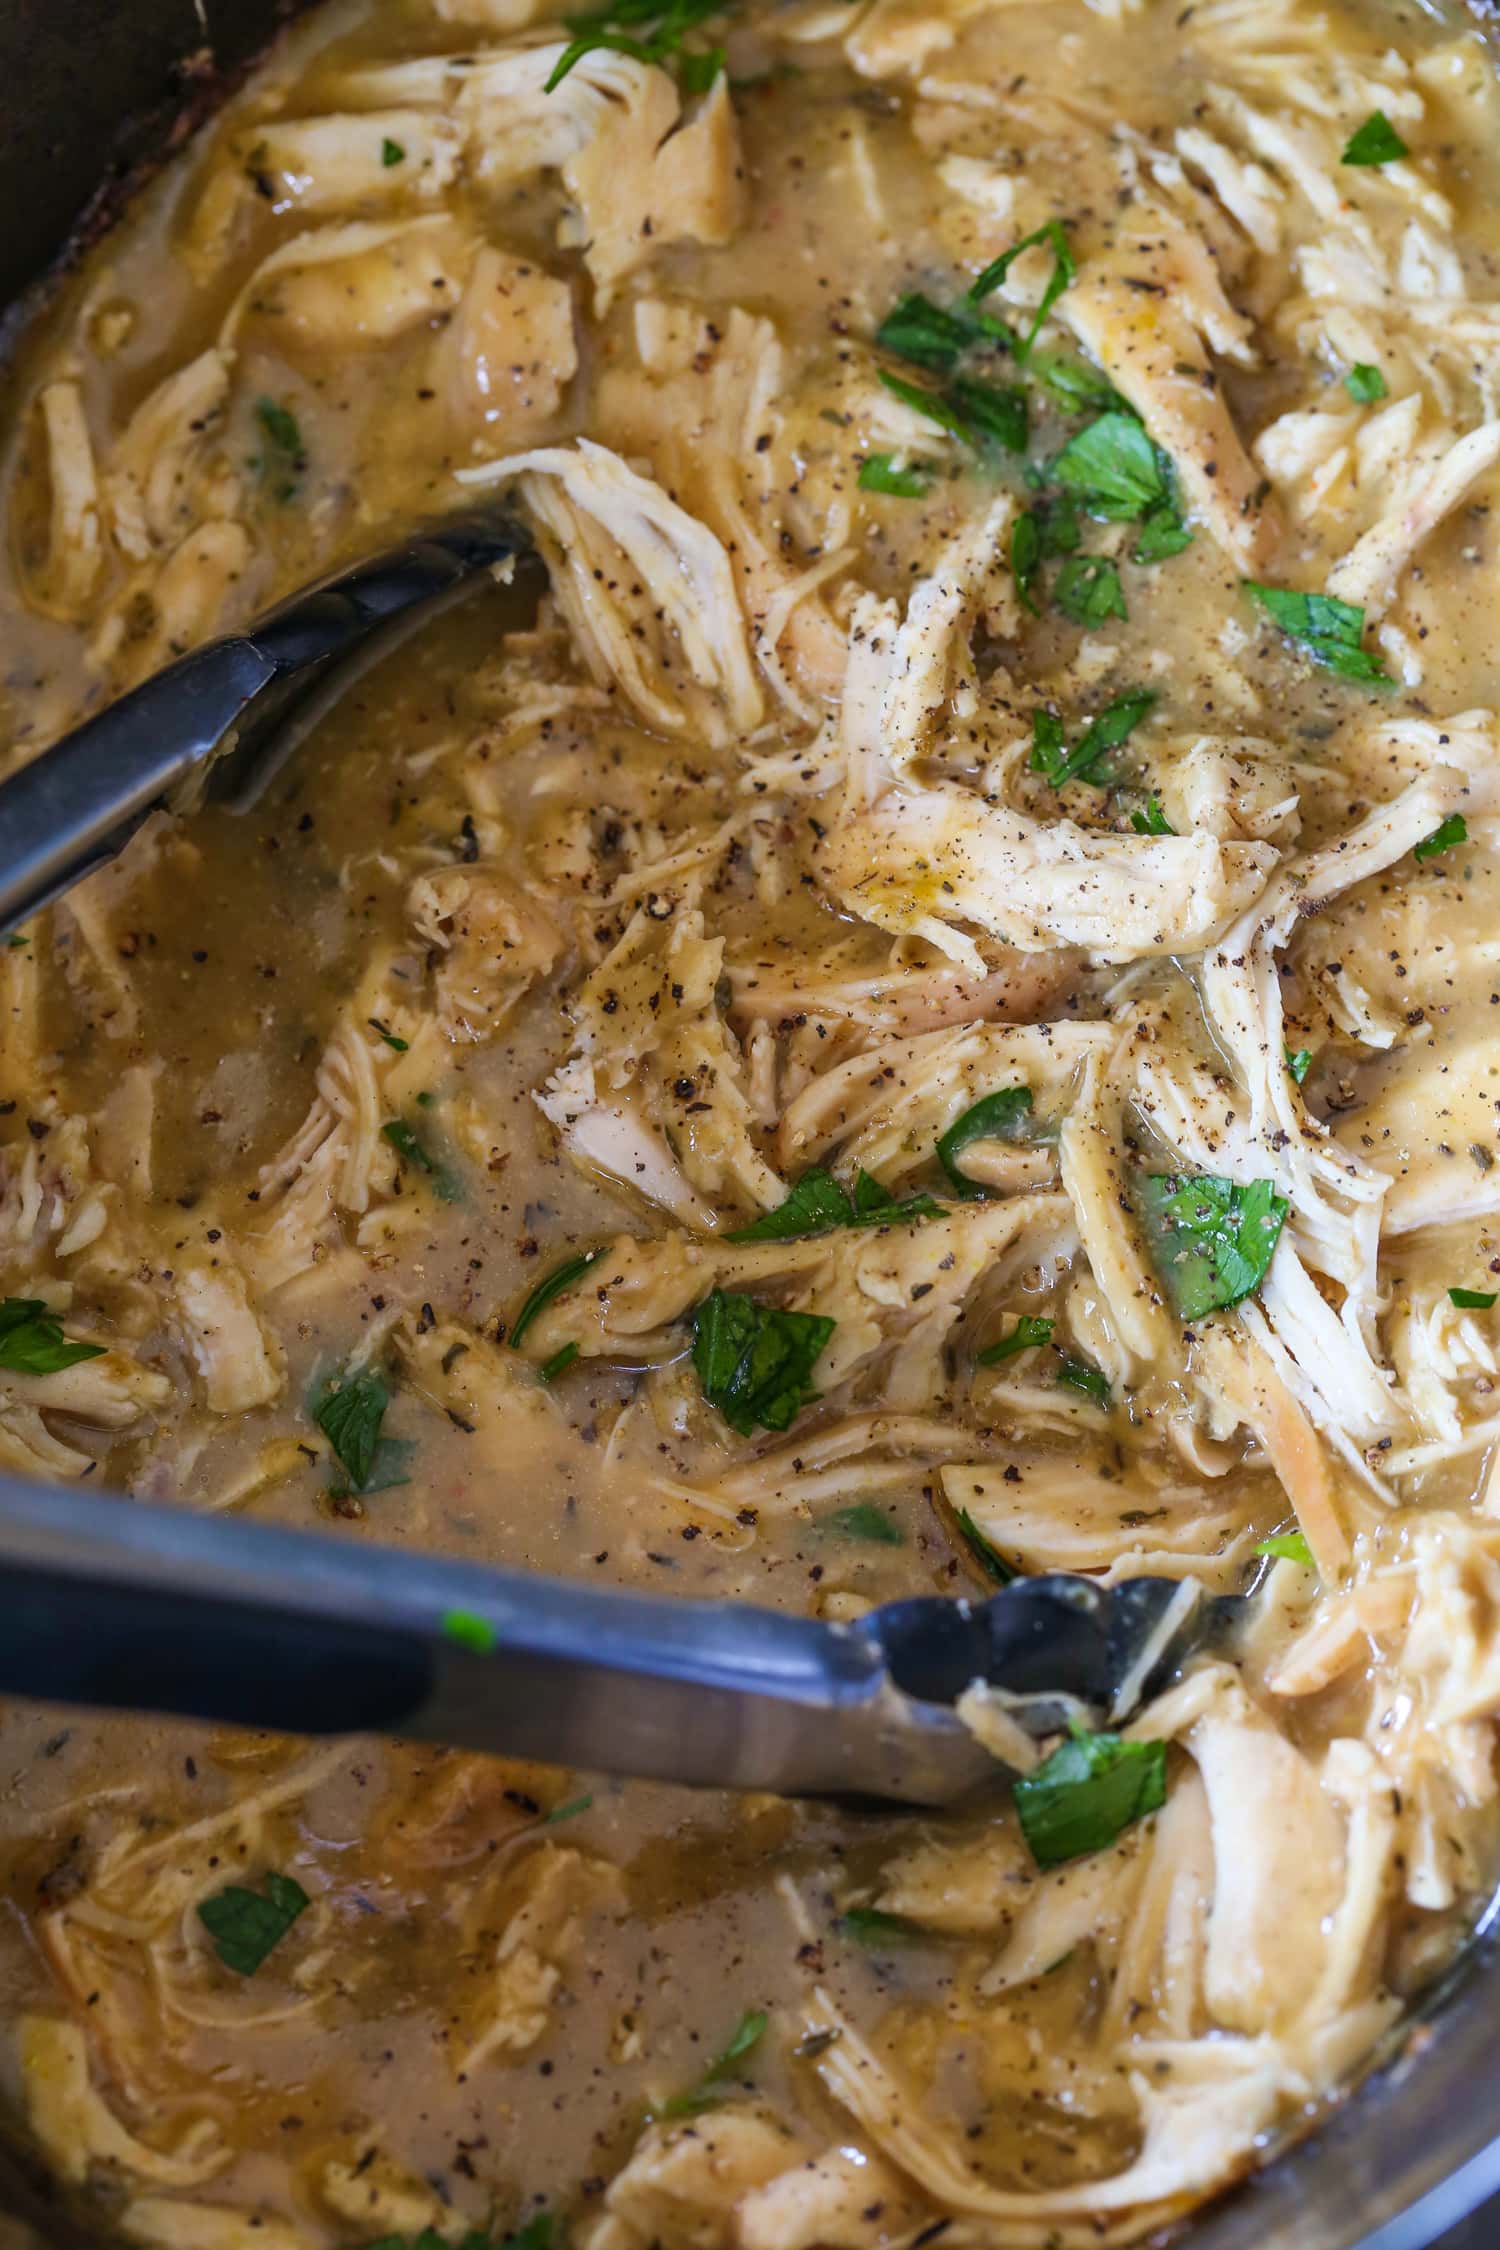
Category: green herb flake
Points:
column 1453, row 830
column 1026, row 559
column 349, row 1414
column 1077, row 1375
column 245, row 1925
column 754, row 1361
column 1113, row 469
column 1105, row 733
column 1365, row 384
column 1001, row 1116
column 550, row 1287
column 408, row 1146
column 1472, row 1300
column 922, row 401
column 561, row 1360
column 867, row 1925
column 697, row 70
column 1163, row 534
column 1064, row 273
column 927, row 334
column 818, row 1203
column 984, row 1551
column 1299, row 1064
column 1211, row 1239
column 991, row 413
column 1327, row 630
column 1088, row 1792
column 1375, row 142
column 1286, row 1546
column 865, row 1521
column 397, row 1046
column 285, row 457
column 747, row 2035
column 1152, row 821
column 878, row 473
column 1073, row 385
column 469, row 1631
column 571, row 1810
column 1088, row 590
column 661, row 25
column 391, row 152
column 32, row 1340
column 1027, row 1334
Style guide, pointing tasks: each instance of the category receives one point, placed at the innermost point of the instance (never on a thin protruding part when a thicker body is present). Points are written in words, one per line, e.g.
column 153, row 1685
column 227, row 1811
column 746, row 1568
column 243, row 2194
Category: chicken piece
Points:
column 654, row 1093
column 77, row 2129
column 1239, row 789
column 1045, row 1513
column 156, row 469
column 113, row 1392
column 511, row 350
column 493, row 940
column 162, row 2222
column 969, row 1889
column 352, row 287
column 682, row 2183
column 337, row 1160
column 902, row 999
column 62, row 582
column 339, row 166
column 648, row 592
column 558, row 1890
column 236, row 1355
column 1149, row 313
column 841, row 2199
column 163, row 613
column 1370, row 573
column 918, row 860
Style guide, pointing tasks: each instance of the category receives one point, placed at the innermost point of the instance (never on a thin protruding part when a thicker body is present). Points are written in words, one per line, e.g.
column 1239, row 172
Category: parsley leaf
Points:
column 1153, row 821
column 746, row 2036
column 878, row 473
column 391, row 152
column 285, row 456
column 550, row 1286
column 1365, row 384
column 928, row 335
column 1163, row 533
column 469, row 1630
column 661, row 23
column 571, row 1810
column 561, row 1360
column 1324, row 628
column 1472, row 1300
column 408, row 1146
column 1376, row 142
column 982, row 414
column 1077, row 1375
column 1087, row 1793
column 865, row 1521
column 397, row 1046
column 1088, row 590
column 1002, row 1116
column 1453, row 830
column 1299, row 1064
column 985, row 1553
column 755, row 1361
column 32, row 1341
column 1051, row 756
column 869, row 1926
column 1024, row 1337
column 1211, row 1239
column 818, row 1203
column 349, row 1414
column 1286, row 1546
column 1064, row 273
column 1026, row 559
column 1057, row 523
column 245, row 1924
column 1073, row 385
column 1113, row 468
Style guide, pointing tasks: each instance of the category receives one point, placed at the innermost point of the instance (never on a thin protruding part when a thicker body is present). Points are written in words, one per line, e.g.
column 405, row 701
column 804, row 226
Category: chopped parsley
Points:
column 1163, row 534
column 1453, row 830
column 1299, row 1064
column 391, row 152
column 1375, row 142
column 1077, row 1375
column 878, row 473
column 865, row 1521
column 755, row 1361
column 32, row 1340
column 1112, row 468
column 1324, row 628
column 1088, row 590
column 651, row 31
column 397, row 1046
column 570, row 1810
column 746, row 2036
column 984, row 1551
column 1472, row 1300
column 549, row 1287
column 930, row 335
column 869, row 1926
column 561, row 1360
column 1027, row 1334
column 1002, row 1116
column 245, row 1925
column 1072, row 384
column 1211, row 1239
column 407, row 1143
column 818, row 1203
column 284, row 459
column 1365, row 384
column 349, row 1412
column 1049, row 751
column 982, row 414
column 1152, row 821
column 1026, row 559
column 469, row 1630
column 1087, row 1793
column 1064, row 273
column 1286, row 1546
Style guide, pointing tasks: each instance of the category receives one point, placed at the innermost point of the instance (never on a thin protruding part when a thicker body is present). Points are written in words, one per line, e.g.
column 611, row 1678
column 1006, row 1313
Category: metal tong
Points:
column 114, row 1603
